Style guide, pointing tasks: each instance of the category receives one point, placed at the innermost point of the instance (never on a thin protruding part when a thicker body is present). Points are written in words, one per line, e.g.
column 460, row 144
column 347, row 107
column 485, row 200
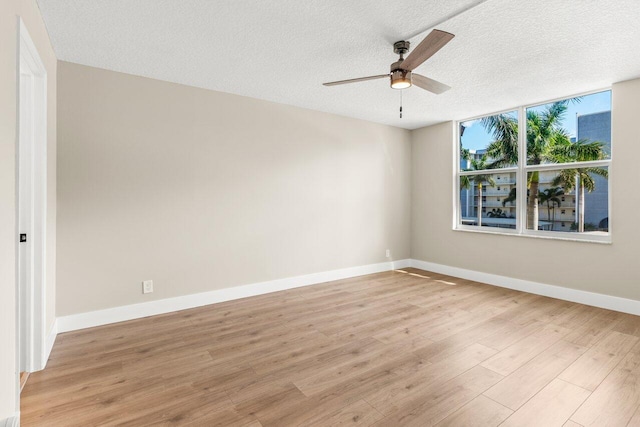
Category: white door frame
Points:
column 31, row 191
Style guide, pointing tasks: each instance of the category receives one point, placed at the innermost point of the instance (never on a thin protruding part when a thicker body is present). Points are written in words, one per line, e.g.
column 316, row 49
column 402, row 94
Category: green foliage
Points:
column 476, row 165
column 551, row 196
column 544, row 131
column 547, row 142
column 585, row 177
column 579, row 151
column 510, row 198
column 496, row 213
column 504, row 148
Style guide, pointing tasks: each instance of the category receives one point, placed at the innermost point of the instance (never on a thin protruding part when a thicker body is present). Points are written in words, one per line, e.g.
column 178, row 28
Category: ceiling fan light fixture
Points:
column 400, row 79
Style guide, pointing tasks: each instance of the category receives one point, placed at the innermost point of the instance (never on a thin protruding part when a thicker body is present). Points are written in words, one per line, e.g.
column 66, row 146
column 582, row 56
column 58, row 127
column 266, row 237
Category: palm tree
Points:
column 510, row 198
column 583, row 178
column 544, row 132
column 551, row 196
column 477, row 180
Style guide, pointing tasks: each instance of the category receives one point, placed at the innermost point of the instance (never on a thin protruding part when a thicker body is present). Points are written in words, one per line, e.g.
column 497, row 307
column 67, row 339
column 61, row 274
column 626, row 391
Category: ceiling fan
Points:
column 401, row 75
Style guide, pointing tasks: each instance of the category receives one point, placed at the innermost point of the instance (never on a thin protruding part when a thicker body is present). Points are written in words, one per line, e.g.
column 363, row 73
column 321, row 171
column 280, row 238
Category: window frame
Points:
column 521, row 171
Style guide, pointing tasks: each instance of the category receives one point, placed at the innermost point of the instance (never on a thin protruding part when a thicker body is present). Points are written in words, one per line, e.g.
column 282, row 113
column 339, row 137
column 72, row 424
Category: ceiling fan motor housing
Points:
column 401, row 47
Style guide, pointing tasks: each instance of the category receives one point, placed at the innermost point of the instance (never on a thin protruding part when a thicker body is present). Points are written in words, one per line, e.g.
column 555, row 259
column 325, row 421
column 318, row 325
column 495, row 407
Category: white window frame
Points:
column 521, row 171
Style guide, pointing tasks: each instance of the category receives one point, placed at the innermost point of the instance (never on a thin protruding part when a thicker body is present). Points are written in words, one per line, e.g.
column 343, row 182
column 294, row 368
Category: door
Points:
column 31, row 206
column 25, row 220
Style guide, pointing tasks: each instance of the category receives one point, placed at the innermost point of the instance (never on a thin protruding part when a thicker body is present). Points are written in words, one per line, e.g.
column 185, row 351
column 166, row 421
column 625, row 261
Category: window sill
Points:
column 603, row 240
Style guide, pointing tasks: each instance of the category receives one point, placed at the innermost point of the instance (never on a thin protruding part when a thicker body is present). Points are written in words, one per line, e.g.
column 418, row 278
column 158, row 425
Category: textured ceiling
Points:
column 505, row 53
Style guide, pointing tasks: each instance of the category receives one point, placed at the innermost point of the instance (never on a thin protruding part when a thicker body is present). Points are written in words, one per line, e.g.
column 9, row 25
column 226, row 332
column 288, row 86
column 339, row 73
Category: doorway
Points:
column 31, row 193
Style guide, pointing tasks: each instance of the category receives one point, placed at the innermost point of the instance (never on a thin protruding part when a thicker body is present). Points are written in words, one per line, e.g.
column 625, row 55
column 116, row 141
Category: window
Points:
column 561, row 149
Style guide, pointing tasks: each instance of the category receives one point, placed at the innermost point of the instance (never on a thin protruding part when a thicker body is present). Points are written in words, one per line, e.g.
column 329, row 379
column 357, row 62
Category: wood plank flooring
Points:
column 404, row 348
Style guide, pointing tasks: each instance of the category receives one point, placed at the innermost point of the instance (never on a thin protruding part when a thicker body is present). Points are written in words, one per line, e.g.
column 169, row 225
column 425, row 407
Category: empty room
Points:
column 319, row 213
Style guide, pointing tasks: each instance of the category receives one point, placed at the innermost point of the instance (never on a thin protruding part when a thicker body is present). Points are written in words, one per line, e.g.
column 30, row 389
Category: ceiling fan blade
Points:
column 427, row 48
column 428, row 84
column 361, row 79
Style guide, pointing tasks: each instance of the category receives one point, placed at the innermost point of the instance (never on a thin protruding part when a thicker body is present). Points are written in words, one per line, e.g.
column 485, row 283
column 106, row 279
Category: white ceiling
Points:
column 505, row 53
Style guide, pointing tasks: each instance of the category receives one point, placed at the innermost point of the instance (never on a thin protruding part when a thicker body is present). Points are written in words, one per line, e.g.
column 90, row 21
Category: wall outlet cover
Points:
column 147, row 286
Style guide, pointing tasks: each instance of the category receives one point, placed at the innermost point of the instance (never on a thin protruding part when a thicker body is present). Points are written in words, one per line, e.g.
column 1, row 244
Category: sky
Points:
column 476, row 137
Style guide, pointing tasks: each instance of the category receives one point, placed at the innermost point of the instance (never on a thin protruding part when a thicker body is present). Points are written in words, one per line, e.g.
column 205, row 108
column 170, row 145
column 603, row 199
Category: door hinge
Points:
column 23, row 237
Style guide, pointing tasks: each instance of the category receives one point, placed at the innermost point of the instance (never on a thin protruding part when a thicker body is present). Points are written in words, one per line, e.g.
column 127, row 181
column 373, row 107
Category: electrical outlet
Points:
column 147, row 286
column 388, row 253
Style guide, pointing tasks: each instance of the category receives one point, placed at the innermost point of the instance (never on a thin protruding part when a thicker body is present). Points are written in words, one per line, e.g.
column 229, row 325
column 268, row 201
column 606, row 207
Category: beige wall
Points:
column 9, row 11
column 201, row 190
column 607, row 269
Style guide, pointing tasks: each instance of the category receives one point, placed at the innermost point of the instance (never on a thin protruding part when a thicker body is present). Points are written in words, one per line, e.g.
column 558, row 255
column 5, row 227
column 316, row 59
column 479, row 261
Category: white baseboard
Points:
column 396, row 265
column 135, row 311
column 574, row 295
column 51, row 339
column 11, row 422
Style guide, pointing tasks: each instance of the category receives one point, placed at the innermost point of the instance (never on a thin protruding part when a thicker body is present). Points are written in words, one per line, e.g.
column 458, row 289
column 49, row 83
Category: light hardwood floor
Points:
column 406, row 348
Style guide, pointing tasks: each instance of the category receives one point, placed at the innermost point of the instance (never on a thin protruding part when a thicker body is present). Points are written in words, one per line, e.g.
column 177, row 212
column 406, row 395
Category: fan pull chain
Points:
column 401, row 103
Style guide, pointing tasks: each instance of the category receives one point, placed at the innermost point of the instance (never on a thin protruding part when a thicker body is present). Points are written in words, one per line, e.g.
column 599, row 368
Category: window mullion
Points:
column 575, row 165
column 457, row 208
column 521, row 179
column 487, row 171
